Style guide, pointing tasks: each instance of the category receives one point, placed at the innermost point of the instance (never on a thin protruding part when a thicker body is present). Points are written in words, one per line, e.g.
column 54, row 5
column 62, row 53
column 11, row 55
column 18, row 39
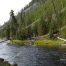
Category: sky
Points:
column 7, row 5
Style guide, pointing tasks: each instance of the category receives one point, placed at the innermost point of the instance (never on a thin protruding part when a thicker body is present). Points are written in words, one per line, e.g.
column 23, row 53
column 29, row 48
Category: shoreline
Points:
column 40, row 43
column 6, row 63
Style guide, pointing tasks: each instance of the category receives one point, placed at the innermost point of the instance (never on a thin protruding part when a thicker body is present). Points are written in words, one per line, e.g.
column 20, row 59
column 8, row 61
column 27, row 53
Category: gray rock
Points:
column 1, row 59
column 63, row 61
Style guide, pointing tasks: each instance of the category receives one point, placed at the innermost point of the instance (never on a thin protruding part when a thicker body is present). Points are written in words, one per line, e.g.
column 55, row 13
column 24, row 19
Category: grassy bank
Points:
column 19, row 42
column 48, row 43
column 39, row 43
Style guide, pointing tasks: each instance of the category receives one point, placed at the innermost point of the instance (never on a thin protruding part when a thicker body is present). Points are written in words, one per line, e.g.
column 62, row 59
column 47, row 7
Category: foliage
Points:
column 8, row 32
column 38, row 18
column 19, row 42
column 47, row 43
column 13, row 26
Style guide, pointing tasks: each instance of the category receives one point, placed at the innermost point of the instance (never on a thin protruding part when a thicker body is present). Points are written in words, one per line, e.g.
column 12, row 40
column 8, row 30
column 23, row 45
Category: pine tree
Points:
column 8, row 32
column 13, row 25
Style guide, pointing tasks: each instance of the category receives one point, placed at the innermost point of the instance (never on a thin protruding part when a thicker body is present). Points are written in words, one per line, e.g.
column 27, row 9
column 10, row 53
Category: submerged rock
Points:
column 6, row 63
column 63, row 61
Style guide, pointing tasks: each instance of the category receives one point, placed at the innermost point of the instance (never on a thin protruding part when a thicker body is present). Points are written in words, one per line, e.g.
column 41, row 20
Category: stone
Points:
column 1, row 60
column 63, row 61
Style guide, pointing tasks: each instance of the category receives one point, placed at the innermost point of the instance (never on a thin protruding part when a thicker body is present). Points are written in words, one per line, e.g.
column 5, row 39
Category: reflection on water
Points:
column 32, row 56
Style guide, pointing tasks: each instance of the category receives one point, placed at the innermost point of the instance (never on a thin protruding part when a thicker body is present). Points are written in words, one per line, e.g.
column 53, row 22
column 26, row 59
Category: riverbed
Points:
column 32, row 56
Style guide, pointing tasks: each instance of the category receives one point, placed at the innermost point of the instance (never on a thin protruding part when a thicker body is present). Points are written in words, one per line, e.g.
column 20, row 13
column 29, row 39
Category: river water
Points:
column 32, row 56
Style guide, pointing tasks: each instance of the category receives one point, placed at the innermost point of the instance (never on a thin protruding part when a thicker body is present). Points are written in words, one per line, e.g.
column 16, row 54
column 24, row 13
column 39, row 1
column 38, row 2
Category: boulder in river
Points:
column 1, row 60
column 63, row 61
column 6, row 63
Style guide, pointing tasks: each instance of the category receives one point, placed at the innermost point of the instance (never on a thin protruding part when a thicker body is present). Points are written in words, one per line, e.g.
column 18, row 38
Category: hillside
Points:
column 39, row 17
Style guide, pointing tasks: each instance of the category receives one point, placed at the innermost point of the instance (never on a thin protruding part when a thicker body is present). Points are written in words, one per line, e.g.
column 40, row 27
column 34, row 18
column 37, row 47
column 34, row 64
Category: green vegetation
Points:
column 39, row 43
column 48, row 43
column 63, row 32
column 20, row 42
column 39, row 17
column 5, row 63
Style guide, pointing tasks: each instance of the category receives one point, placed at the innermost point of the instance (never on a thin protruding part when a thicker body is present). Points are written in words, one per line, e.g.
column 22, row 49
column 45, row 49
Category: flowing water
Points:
column 32, row 56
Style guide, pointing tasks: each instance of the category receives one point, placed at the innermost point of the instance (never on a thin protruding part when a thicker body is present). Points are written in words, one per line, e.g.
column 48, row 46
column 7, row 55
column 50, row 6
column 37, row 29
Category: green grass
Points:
column 4, row 64
column 19, row 42
column 47, row 43
column 40, row 43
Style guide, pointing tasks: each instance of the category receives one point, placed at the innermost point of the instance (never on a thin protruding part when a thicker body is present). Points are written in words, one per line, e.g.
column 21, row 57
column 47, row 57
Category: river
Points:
column 32, row 56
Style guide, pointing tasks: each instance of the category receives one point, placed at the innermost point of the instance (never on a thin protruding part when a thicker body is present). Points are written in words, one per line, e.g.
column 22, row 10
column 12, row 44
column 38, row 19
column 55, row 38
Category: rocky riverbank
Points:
column 6, row 63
